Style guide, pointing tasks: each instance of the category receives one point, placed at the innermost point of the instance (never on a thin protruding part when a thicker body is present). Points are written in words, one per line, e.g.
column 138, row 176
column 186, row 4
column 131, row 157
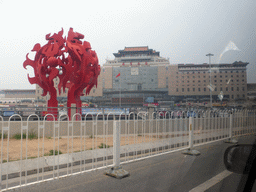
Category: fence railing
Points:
column 41, row 150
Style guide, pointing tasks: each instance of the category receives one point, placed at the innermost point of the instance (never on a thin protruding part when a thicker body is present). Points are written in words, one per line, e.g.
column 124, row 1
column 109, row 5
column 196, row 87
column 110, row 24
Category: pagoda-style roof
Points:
column 145, row 48
column 136, row 51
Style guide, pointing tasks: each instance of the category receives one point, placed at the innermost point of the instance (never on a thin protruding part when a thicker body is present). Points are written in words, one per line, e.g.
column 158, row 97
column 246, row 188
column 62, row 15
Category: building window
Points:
column 232, row 96
column 221, row 89
column 243, row 96
column 220, row 80
column 232, row 89
column 237, row 96
column 177, row 90
column 193, row 89
column 182, row 89
column 226, row 88
column 199, row 81
column 188, row 89
column 204, row 89
column 93, row 90
column 243, row 88
column 220, row 76
column 199, row 89
column 231, row 75
column 215, row 89
column 237, row 89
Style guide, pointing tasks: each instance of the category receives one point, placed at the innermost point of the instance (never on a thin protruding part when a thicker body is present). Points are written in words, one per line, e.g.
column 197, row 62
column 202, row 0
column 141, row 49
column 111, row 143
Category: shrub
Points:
column 5, row 136
column 91, row 137
column 102, row 145
column 18, row 136
column 31, row 135
column 51, row 153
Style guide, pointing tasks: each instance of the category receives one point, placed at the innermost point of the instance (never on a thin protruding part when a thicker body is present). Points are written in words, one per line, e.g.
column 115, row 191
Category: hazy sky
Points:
column 182, row 30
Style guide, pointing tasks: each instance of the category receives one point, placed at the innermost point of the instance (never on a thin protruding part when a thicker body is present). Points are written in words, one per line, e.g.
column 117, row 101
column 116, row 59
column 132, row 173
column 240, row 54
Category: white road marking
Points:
column 211, row 182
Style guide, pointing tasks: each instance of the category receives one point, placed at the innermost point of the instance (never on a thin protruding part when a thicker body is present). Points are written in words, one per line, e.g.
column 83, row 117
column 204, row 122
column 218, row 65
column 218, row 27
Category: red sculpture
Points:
column 77, row 71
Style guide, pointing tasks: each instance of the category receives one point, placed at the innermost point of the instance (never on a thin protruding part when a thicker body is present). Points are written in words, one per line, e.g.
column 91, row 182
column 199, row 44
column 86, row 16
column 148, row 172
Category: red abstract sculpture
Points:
column 77, row 71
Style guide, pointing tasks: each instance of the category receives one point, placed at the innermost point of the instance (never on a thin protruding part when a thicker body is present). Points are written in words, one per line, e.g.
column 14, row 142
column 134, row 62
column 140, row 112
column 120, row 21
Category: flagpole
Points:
column 120, row 94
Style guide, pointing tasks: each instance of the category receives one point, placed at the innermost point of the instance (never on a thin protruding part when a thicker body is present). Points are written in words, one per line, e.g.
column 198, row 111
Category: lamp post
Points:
column 209, row 55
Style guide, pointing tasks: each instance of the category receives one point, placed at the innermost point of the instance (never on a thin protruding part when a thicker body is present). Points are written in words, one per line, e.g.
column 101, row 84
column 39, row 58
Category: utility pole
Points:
column 209, row 55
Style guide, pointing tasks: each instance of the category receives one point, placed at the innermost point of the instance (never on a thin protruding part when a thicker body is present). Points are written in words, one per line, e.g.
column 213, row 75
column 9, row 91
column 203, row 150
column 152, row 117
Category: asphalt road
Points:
column 170, row 172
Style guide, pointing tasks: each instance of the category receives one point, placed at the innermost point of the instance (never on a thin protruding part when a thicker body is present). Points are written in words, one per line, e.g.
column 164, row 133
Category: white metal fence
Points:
column 37, row 151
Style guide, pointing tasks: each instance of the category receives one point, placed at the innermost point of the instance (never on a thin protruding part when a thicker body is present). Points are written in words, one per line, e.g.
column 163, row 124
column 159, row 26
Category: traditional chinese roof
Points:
column 145, row 48
column 136, row 51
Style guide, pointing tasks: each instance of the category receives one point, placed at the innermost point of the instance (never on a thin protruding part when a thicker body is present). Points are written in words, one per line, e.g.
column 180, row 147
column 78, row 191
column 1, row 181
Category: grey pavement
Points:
column 169, row 172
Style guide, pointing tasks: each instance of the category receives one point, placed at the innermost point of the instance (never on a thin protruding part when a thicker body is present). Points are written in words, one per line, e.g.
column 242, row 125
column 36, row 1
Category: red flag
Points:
column 118, row 75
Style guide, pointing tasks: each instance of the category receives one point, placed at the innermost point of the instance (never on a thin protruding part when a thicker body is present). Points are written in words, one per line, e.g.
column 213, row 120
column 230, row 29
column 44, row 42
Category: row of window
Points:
column 199, row 81
column 215, row 76
column 213, row 71
column 205, row 89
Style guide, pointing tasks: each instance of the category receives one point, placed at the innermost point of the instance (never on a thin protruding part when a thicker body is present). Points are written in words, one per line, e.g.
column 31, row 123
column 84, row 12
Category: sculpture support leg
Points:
column 52, row 109
column 53, row 105
column 74, row 102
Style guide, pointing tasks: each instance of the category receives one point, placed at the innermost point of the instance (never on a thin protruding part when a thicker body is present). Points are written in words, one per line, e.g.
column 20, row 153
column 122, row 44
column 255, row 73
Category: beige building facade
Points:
column 197, row 80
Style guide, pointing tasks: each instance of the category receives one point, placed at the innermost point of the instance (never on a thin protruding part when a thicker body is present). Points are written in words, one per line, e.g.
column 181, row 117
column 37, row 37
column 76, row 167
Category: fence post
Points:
column 190, row 150
column 116, row 171
column 231, row 139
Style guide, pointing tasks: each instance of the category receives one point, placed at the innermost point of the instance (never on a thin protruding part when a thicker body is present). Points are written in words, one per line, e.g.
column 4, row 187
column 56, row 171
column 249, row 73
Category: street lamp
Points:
column 209, row 55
